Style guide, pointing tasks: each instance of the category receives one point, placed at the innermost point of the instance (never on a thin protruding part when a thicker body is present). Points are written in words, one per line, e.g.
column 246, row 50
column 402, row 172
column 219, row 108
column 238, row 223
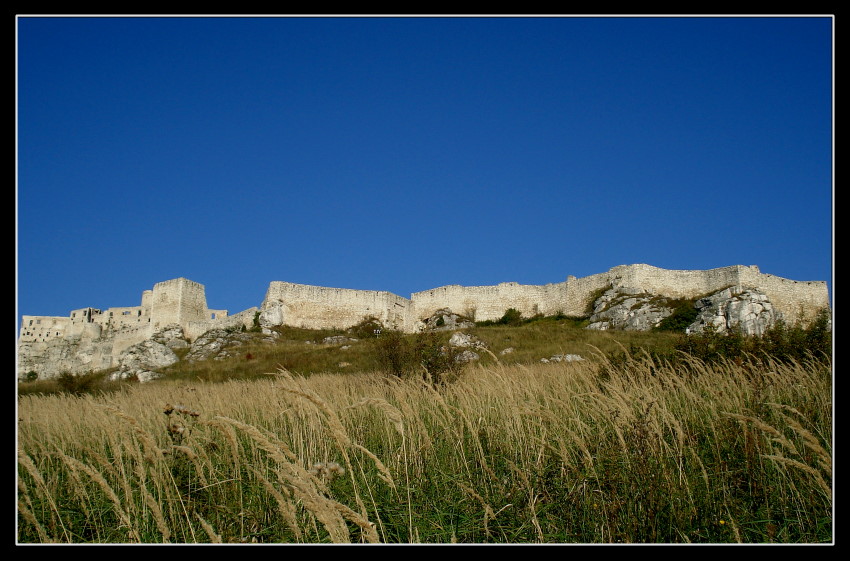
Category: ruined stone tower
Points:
column 179, row 301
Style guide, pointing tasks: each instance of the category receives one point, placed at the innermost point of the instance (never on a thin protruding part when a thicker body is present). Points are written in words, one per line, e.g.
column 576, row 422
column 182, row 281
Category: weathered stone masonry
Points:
column 183, row 302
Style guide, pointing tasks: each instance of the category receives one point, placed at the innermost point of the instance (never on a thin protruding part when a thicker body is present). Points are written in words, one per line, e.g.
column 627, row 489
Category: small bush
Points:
column 684, row 314
column 77, row 385
column 780, row 341
column 422, row 354
column 438, row 360
column 366, row 328
column 255, row 327
column 394, row 353
column 512, row 317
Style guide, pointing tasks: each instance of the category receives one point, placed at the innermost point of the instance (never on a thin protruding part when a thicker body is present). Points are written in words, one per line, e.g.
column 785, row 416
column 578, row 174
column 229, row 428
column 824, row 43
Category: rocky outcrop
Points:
column 628, row 309
column 446, row 320
column 172, row 336
column 747, row 310
column 466, row 340
column 338, row 340
column 75, row 355
column 733, row 308
column 219, row 344
column 563, row 358
column 144, row 360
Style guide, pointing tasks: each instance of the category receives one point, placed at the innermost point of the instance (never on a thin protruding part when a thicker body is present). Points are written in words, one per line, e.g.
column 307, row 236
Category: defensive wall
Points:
column 319, row 307
column 183, row 302
column 177, row 301
column 482, row 303
column 322, row 307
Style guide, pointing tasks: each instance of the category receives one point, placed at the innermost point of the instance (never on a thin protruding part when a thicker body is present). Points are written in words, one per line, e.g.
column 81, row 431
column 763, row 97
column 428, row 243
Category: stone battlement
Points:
column 320, row 307
column 183, row 302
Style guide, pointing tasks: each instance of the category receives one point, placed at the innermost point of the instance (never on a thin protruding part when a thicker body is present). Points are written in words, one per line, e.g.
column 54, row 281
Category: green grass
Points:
column 729, row 442
column 636, row 452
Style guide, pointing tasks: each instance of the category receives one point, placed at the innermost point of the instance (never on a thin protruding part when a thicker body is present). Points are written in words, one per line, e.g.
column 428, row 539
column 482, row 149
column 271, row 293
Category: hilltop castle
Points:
column 183, row 302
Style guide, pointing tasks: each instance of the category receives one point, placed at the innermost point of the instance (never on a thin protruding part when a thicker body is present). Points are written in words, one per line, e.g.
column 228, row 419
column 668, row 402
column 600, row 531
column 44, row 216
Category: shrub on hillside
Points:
column 684, row 314
column 422, row 354
column 780, row 341
column 366, row 328
column 77, row 385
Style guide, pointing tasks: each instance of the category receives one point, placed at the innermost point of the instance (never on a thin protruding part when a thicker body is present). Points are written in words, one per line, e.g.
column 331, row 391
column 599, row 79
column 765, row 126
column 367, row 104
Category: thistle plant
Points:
column 180, row 426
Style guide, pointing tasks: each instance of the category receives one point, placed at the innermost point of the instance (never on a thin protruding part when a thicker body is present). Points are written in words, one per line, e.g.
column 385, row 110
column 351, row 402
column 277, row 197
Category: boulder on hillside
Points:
column 143, row 360
column 446, row 320
column 628, row 309
column 563, row 358
column 338, row 340
column 171, row 336
column 466, row 340
column 219, row 344
column 748, row 310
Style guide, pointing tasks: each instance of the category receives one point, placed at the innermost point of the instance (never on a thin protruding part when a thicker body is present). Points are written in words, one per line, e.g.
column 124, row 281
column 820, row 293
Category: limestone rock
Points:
column 628, row 309
column 143, row 360
column 446, row 320
column 76, row 355
column 465, row 340
column 170, row 332
column 748, row 310
column 338, row 340
column 565, row 358
column 219, row 344
column 466, row 356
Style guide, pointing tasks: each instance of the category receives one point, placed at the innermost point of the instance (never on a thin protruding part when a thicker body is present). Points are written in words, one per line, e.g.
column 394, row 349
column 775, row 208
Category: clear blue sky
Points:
column 403, row 154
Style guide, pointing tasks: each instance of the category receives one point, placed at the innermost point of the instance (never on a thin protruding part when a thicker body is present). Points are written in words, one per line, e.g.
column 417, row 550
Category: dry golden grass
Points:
column 547, row 452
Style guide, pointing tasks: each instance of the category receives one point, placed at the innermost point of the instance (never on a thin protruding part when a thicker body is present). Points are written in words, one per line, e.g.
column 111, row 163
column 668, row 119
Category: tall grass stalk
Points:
column 598, row 451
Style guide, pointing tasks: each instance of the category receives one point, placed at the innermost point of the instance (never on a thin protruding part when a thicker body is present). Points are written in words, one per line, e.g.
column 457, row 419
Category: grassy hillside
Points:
column 582, row 452
column 301, row 351
column 654, row 437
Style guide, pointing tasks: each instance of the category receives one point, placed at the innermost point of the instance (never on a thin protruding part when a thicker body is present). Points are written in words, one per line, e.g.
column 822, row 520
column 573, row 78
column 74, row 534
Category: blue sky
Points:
column 402, row 154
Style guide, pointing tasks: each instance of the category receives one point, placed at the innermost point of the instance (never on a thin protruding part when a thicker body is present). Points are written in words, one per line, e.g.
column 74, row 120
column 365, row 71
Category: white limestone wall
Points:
column 796, row 300
column 194, row 329
column 99, row 336
column 124, row 317
column 483, row 303
column 579, row 292
column 677, row 283
column 318, row 307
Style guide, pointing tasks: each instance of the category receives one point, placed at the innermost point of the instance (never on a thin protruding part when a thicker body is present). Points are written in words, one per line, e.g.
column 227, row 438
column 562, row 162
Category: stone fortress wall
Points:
column 179, row 301
column 318, row 307
column 182, row 301
column 482, row 303
column 321, row 307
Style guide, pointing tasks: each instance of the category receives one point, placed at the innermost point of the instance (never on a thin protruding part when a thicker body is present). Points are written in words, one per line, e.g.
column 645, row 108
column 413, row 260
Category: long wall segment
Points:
column 93, row 338
column 483, row 303
column 319, row 307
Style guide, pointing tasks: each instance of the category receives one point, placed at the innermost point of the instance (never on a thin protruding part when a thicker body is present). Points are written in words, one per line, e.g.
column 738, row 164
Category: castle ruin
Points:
column 183, row 302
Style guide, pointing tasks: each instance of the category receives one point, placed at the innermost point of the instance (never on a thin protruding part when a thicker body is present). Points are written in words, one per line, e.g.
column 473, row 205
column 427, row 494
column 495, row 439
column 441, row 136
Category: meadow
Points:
column 628, row 446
